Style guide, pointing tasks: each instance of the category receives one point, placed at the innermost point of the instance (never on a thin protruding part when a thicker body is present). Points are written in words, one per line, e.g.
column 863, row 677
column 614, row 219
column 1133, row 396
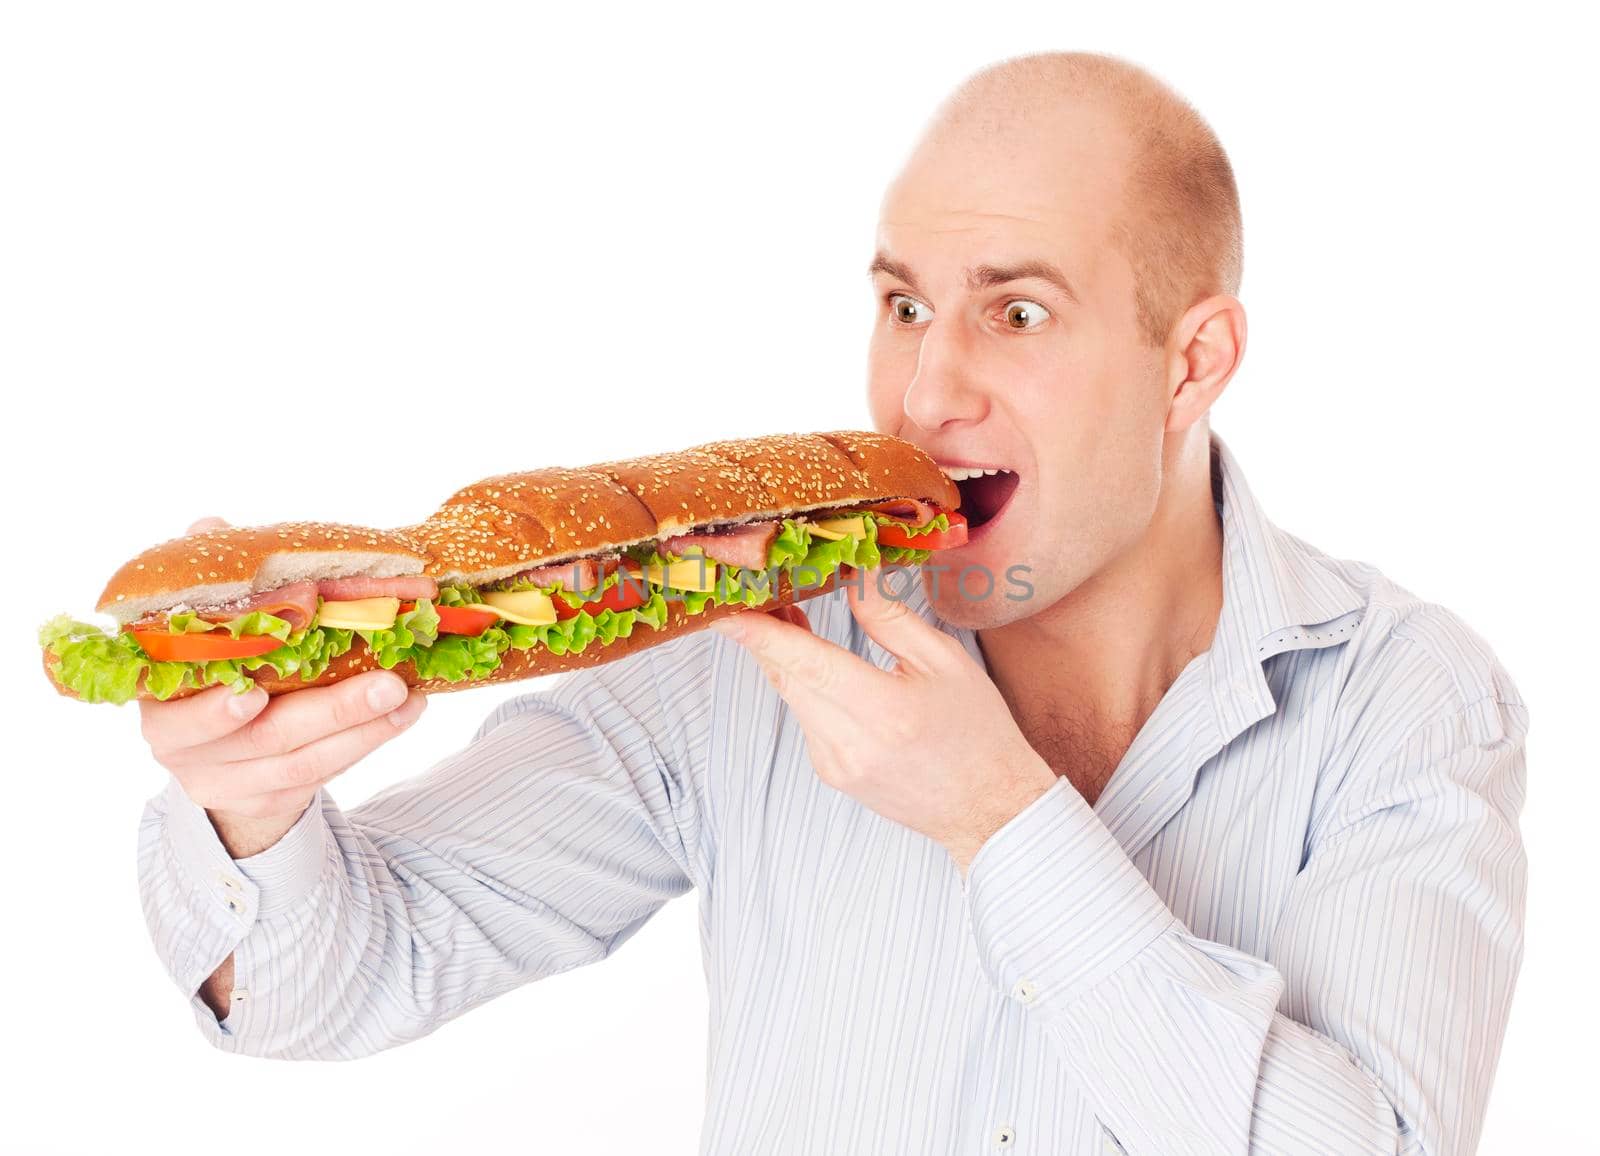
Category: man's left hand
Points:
column 929, row 744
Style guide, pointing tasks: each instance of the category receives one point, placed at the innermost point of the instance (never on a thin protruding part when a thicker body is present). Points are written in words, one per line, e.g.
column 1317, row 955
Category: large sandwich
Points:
column 514, row 576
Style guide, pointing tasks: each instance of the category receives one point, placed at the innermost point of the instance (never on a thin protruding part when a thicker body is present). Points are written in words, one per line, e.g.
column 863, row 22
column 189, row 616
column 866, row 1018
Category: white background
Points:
column 331, row 262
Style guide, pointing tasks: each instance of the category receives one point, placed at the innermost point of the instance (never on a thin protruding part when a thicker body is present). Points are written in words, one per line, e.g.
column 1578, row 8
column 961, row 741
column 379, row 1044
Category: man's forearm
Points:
column 243, row 837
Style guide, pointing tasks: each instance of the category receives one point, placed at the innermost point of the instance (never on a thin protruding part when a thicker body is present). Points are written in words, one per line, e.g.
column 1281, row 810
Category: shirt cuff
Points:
column 257, row 886
column 1055, row 903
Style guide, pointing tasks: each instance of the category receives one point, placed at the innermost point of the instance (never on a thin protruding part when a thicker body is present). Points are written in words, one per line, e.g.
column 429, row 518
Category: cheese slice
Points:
column 833, row 529
column 696, row 573
column 359, row 614
column 527, row 607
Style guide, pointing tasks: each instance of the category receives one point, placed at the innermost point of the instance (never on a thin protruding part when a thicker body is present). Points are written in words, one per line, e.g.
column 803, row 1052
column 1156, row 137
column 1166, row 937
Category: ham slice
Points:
column 295, row 603
column 745, row 546
column 907, row 510
column 578, row 576
column 351, row 589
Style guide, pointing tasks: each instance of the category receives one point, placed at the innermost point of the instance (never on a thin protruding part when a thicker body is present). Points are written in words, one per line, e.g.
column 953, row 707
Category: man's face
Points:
column 982, row 358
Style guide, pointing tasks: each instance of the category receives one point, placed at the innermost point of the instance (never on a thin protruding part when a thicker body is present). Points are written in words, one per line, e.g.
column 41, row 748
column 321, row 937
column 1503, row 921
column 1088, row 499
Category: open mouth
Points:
column 985, row 490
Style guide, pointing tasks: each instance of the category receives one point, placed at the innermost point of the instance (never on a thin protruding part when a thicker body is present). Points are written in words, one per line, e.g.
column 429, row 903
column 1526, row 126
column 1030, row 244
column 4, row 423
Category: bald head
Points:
column 1033, row 260
column 1177, row 218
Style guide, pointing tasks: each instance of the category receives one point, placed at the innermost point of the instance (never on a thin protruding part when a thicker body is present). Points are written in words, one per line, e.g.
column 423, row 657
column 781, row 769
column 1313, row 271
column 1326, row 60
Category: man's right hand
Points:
column 255, row 765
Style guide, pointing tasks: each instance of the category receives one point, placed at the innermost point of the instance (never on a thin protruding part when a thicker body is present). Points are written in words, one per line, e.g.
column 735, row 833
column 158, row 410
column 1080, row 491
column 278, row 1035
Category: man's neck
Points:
column 1082, row 677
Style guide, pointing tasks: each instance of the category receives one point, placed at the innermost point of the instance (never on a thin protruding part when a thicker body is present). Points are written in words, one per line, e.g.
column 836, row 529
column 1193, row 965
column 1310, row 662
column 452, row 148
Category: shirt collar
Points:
column 1278, row 594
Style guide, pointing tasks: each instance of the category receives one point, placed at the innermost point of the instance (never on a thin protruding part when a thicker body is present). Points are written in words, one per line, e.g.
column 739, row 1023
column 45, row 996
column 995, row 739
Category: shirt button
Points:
column 1004, row 1135
column 1024, row 991
column 235, row 906
column 230, row 883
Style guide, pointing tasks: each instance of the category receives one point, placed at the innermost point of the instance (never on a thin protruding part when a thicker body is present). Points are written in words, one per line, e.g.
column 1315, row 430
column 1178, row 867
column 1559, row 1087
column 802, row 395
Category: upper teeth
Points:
column 962, row 473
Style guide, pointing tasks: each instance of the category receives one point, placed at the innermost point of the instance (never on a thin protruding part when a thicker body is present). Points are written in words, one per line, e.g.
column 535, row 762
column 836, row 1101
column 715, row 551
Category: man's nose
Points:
column 942, row 391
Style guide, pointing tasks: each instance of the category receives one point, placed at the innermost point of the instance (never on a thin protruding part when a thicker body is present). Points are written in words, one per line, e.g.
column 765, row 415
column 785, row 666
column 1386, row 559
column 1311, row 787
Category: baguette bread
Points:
column 511, row 523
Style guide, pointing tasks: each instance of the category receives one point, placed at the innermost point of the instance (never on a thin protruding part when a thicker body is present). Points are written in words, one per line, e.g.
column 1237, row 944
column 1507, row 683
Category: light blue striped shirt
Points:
column 1291, row 922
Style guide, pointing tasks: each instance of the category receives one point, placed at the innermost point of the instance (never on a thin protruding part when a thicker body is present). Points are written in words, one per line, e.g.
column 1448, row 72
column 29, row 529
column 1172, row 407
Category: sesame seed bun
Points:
column 496, row 527
column 512, row 522
column 216, row 567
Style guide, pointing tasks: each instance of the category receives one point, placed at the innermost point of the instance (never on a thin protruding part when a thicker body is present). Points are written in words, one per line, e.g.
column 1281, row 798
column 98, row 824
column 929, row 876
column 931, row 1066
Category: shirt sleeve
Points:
column 1375, row 1022
column 545, row 843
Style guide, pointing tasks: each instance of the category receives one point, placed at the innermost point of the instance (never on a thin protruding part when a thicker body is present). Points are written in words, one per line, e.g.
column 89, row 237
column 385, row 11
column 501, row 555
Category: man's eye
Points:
column 1025, row 314
column 908, row 310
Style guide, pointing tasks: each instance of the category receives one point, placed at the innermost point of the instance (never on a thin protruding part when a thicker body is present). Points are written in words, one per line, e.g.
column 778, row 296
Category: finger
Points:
column 232, row 786
column 802, row 666
column 793, row 615
column 293, row 720
column 879, row 604
column 204, row 524
column 170, row 727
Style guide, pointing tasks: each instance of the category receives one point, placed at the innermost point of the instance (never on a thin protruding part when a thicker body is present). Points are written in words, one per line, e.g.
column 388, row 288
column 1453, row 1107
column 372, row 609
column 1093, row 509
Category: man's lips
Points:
column 985, row 490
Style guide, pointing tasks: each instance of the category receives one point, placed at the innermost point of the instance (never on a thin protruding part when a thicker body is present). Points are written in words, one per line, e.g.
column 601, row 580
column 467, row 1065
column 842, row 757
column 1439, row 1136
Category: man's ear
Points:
column 1203, row 352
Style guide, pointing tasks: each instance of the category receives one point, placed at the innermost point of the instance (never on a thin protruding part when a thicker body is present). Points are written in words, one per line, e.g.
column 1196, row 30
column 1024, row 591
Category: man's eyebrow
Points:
column 982, row 276
column 883, row 263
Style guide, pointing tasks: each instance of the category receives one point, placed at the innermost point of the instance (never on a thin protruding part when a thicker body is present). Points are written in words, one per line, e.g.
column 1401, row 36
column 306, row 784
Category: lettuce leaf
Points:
column 255, row 623
column 95, row 666
column 458, row 596
column 102, row 667
column 454, row 657
column 164, row 679
column 306, row 653
column 791, row 544
column 413, row 629
column 862, row 553
column 573, row 635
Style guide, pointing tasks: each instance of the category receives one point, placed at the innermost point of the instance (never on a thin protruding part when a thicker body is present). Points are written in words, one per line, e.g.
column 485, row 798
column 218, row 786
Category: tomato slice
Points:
column 892, row 534
column 470, row 620
column 628, row 593
column 165, row 647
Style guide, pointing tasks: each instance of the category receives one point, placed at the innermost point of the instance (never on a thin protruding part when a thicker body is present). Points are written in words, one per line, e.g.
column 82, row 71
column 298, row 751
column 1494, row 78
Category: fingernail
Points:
column 409, row 711
column 246, row 704
column 386, row 694
column 729, row 627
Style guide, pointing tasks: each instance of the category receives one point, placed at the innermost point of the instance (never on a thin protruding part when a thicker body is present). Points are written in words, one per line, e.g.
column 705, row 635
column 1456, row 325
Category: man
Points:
column 1210, row 845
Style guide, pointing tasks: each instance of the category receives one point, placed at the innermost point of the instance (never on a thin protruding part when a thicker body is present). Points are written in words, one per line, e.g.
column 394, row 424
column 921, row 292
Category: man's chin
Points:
column 973, row 603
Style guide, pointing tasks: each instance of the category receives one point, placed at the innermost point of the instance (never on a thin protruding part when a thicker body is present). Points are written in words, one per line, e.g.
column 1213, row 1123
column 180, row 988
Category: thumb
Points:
column 879, row 602
column 204, row 524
